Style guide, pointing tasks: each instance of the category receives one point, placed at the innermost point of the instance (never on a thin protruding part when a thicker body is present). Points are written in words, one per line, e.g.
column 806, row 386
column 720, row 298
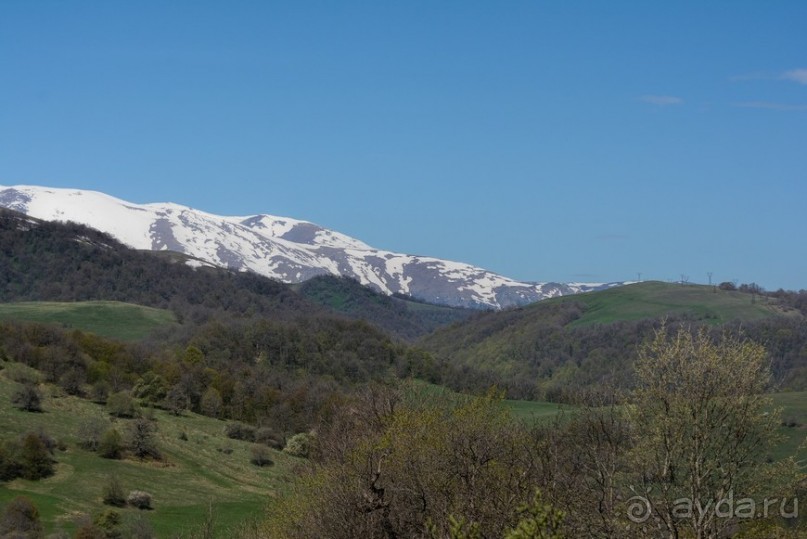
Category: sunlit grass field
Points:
column 125, row 321
column 207, row 469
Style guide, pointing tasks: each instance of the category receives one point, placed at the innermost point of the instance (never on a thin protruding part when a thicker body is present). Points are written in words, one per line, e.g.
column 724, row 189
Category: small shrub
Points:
column 267, row 436
column 109, row 522
column 89, row 530
column 211, row 403
column 110, row 446
column 240, row 431
column 50, row 443
column 90, row 431
column 176, row 401
column 23, row 374
column 260, row 456
column 183, row 436
column 10, row 467
column 121, row 404
column 112, row 493
column 73, row 381
column 20, row 518
column 99, row 392
column 141, row 439
column 139, row 499
column 138, row 527
column 299, row 445
column 28, row 398
column 34, row 458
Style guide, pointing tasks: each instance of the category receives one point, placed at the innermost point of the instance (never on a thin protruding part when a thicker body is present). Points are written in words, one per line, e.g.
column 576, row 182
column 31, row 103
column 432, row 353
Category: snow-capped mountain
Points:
column 282, row 248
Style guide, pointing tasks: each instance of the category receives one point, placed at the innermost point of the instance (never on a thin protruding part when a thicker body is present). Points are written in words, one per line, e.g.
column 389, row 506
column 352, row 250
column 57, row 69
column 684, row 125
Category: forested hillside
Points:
column 398, row 315
column 44, row 261
column 561, row 349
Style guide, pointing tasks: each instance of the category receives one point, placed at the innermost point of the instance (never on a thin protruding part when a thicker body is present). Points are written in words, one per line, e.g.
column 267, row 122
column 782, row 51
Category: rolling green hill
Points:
column 655, row 299
column 207, row 468
column 113, row 319
column 555, row 348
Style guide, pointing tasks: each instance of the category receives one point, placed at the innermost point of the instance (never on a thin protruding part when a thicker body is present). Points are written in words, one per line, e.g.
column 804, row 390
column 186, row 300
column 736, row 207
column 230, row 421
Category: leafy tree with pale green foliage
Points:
column 211, row 402
column 193, row 356
column 539, row 520
column 703, row 428
column 151, row 388
column 298, row 445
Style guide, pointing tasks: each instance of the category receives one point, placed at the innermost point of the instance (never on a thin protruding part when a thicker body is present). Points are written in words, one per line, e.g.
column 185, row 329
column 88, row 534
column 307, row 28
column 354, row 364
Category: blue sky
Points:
column 560, row 141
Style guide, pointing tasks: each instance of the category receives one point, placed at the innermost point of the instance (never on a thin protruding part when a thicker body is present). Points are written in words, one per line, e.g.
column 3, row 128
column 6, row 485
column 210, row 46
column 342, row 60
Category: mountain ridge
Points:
column 287, row 249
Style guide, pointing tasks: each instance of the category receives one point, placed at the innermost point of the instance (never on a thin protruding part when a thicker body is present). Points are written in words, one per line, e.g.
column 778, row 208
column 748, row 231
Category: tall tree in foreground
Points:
column 703, row 432
column 388, row 469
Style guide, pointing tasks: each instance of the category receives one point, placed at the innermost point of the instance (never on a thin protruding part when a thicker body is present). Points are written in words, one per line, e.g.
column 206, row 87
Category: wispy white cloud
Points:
column 770, row 106
column 661, row 100
column 796, row 75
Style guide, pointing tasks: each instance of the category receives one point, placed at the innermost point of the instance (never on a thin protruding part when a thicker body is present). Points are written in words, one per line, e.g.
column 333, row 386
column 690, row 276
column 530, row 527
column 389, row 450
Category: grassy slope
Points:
column 524, row 410
column 654, row 299
column 113, row 319
column 194, row 475
column 793, row 406
column 502, row 341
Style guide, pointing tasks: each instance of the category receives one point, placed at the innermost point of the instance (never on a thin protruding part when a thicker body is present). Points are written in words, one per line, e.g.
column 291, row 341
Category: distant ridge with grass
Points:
column 654, row 299
column 113, row 319
column 559, row 348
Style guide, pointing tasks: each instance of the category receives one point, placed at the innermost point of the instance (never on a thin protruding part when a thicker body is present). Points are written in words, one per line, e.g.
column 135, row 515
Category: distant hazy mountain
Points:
column 282, row 248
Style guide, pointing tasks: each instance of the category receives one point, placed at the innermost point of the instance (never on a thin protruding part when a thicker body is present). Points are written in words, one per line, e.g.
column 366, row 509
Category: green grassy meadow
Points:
column 793, row 407
column 124, row 321
column 196, row 473
column 655, row 299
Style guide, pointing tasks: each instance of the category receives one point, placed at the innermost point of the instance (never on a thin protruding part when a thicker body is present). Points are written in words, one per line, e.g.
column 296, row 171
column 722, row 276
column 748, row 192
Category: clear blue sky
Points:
column 558, row 141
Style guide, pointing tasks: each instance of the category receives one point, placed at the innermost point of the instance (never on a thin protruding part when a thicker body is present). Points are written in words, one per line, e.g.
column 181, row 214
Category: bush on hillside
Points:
column 110, row 446
column 139, row 499
column 259, row 456
column 299, row 445
column 20, row 518
column 23, row 374
column 90, row 431
column 268, row 436
column 121, row 404
column 240, row 431
column 27, row 397
column 112, row 493
column 141, row 439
